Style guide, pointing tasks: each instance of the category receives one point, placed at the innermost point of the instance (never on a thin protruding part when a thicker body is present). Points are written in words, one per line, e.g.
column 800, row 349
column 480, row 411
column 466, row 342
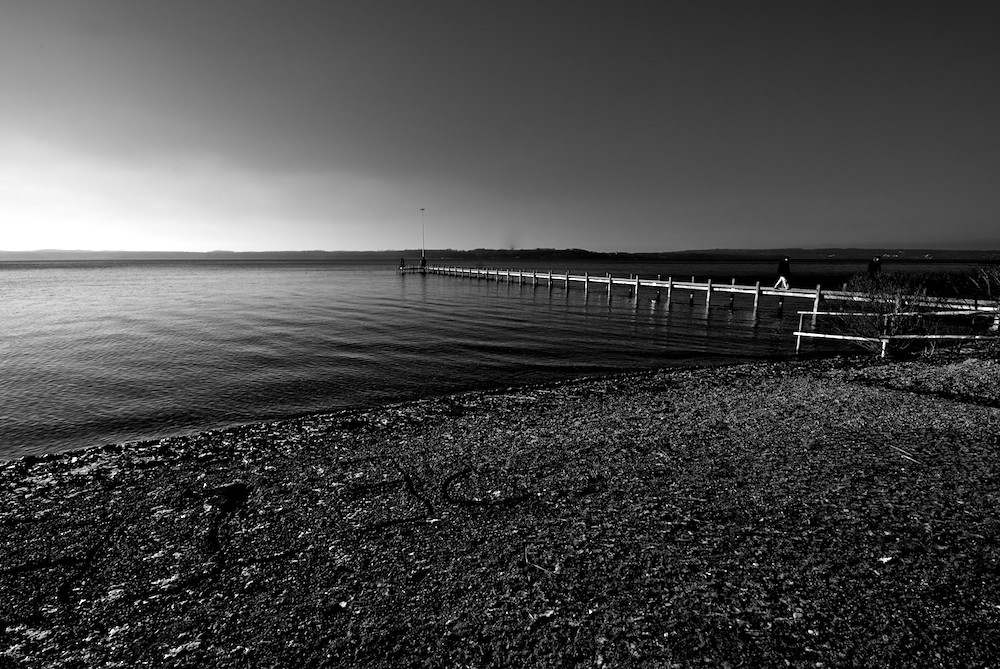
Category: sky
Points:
column 198, row 125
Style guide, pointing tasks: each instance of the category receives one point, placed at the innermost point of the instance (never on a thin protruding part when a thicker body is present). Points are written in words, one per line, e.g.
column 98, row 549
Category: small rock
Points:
column 231, row 496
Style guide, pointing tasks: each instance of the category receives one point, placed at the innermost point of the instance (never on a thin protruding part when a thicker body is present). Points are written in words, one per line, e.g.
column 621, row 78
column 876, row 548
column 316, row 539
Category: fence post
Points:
column 670, row 289
column 816, row 302
column 708, row 295
column 798, row 336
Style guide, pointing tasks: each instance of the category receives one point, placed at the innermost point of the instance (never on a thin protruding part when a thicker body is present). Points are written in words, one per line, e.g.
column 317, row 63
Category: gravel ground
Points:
column 811, row 514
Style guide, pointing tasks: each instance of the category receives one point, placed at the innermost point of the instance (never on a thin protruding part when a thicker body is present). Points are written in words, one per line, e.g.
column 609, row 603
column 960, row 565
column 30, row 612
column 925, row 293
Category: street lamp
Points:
column 421, row 233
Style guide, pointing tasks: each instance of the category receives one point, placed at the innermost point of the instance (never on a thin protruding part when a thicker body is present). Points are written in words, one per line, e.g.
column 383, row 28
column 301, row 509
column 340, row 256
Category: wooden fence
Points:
column 886, row 338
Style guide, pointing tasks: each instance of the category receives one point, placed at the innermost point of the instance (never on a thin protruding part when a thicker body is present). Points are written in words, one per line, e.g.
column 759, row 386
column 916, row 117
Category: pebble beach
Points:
column 836, row 512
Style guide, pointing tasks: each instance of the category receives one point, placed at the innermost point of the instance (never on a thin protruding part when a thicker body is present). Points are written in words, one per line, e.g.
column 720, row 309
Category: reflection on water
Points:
column 98, row 353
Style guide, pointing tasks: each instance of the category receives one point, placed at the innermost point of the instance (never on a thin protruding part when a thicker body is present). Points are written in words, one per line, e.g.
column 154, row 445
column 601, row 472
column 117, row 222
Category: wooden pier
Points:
column 662, row 288
column 666, row 291
column 665, row 288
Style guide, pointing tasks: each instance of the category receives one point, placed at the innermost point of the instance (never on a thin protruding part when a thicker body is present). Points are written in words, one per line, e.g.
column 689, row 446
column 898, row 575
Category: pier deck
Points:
column 709, row 287
column 635, row 284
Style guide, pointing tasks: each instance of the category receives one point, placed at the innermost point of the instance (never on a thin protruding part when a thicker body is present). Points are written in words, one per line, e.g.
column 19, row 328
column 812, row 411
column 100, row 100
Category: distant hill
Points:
column 70, row 255
column 846, row 254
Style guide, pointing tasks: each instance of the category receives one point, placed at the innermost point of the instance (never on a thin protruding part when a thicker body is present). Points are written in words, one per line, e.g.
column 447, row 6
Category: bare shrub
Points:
column 986, row 281
column 891, row 304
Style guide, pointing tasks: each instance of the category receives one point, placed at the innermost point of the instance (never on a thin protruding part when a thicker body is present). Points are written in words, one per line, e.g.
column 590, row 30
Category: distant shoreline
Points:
column 705, row 255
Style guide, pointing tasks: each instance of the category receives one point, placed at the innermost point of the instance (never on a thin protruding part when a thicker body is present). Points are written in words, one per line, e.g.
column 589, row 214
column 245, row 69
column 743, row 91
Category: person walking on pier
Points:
column 784, row 271
column 874, row 268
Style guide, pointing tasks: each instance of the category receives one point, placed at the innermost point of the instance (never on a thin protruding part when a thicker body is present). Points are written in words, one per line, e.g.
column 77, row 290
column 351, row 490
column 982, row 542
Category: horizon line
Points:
column 514, row 250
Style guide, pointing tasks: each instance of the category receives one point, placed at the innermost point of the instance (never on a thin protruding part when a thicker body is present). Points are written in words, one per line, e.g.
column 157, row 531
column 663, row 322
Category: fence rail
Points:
column 885, row 339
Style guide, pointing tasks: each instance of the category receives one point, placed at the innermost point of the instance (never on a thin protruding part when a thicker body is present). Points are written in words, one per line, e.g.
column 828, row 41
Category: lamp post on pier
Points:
column 423, row 258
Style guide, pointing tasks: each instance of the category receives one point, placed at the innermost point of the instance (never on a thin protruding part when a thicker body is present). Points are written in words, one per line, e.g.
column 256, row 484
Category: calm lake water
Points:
column 102, row 352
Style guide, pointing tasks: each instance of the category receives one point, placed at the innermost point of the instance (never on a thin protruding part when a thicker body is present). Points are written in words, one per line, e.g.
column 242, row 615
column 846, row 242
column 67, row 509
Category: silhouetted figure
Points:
column 874, row 268
column 402, row 263
column 784, row 273
column 423, row 262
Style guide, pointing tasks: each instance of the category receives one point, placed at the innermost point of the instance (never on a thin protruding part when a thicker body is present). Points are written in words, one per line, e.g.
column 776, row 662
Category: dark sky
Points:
column 633, row 126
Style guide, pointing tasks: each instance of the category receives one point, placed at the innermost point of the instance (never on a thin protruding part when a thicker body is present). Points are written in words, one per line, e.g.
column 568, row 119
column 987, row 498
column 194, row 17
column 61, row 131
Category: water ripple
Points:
column 106, row 353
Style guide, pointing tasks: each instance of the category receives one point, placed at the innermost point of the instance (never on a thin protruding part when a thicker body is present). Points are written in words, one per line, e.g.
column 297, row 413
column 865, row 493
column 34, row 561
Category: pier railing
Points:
column 665, row 289
column 709, row 287
column 634, row 283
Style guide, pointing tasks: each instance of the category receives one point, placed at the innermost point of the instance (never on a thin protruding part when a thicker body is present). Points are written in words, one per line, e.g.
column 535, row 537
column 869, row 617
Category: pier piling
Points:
column 817, row 296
